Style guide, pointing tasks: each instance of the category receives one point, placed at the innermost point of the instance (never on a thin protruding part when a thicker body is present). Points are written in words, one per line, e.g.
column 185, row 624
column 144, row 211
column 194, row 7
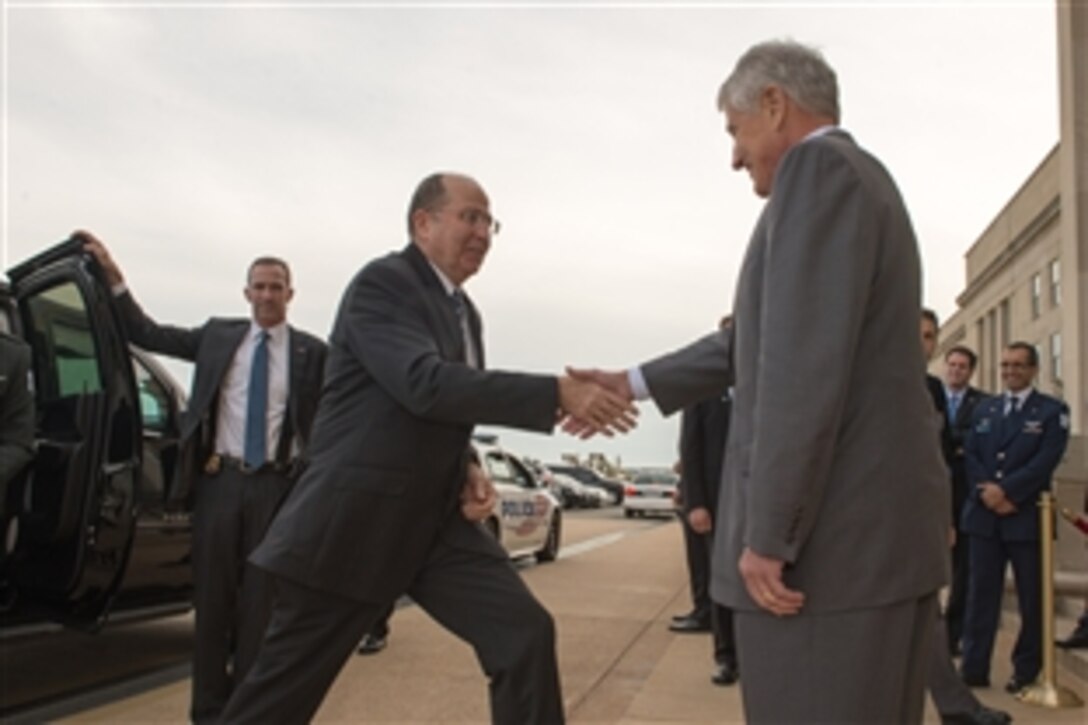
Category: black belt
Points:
column 218, row 462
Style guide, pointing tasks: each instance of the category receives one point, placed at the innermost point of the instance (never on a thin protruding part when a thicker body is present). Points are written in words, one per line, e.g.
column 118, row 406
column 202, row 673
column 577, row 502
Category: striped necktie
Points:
column 460, row 308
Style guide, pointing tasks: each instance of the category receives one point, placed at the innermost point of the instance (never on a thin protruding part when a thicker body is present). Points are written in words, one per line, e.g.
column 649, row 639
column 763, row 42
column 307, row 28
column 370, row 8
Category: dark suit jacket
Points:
column 956, row 436
column 1019, row 453
column 830, row 464
column 212, row 346
column 16, row 411
column 940, row 404
column 703, row 430
column 391, row 442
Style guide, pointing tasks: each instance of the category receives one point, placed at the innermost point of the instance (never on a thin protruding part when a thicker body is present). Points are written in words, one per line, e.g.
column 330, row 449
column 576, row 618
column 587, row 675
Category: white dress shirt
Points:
column 471, row 356
column 1021, row 396
column 230, row 423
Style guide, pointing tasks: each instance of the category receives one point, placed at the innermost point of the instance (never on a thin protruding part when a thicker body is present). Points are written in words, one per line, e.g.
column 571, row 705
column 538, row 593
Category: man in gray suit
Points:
column 834, row 497
column 378, row 511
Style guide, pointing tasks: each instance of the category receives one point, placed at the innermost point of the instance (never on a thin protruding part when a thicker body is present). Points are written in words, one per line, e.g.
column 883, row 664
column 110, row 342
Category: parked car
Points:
column 589, row 477
column 651, row 492
column 100, row 522
column 578, row 495
column 528, row 520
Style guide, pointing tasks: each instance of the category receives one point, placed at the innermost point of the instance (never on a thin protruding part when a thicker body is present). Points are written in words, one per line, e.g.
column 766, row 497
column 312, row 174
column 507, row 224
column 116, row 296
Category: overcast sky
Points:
column 193, row 137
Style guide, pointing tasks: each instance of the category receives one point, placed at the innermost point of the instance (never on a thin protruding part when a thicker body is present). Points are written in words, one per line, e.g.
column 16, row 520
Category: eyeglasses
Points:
column 475, row 217
column 1016, row 365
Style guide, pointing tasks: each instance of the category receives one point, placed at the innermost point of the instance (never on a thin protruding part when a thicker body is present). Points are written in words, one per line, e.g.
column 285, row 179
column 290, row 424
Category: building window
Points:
column 1055, row 283
column 991, row 346
column 1056, row 356
column 1036, row 295
column 984, row 361
column 1006, row 324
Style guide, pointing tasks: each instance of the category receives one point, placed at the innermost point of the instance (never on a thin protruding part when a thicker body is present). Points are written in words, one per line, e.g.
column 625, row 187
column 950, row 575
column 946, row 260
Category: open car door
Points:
column 77, row 506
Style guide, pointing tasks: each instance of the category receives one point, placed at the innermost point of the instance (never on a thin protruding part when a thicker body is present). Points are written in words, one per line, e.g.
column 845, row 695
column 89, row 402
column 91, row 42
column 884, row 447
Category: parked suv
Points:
column 101, row 519
column 589, row 477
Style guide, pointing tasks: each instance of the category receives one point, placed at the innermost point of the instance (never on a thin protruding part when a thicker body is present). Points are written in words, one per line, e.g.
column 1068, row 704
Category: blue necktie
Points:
column 256, row 451
column 953, row 406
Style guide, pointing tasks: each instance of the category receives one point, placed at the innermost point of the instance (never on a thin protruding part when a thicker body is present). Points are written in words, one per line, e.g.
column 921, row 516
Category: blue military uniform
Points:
column 1018, row 449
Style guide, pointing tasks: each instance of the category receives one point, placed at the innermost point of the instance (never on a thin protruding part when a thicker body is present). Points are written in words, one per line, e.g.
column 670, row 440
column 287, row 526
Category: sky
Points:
column 194, row 136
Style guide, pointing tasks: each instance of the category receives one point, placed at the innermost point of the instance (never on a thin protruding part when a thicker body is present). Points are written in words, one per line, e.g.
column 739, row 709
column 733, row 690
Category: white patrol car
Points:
column 527, row 520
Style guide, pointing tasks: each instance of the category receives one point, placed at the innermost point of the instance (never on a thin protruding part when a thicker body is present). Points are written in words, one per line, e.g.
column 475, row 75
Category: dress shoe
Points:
column 981, row 715
column 1015, row 684
column 1077, row 640
column 690, row 624
column 371, row 644
column 975, row 680
column 725, row 674
column 693, row 614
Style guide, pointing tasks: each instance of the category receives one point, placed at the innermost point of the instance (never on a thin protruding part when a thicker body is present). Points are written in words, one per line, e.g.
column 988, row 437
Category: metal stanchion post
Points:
column 1046, row 692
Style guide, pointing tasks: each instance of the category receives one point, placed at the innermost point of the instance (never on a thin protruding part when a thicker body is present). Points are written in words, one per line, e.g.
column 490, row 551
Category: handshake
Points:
column 595, row 401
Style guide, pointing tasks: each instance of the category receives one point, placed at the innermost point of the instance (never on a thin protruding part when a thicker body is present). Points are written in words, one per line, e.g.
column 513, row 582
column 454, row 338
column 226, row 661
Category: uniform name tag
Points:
column 1033, row 427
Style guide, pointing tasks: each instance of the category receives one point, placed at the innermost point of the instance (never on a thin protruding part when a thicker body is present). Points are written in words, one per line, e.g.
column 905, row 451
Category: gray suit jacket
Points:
column 833, row 462
column 390, row 446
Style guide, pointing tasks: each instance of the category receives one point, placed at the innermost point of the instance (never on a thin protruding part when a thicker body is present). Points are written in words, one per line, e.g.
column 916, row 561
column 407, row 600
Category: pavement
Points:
column 612, row 593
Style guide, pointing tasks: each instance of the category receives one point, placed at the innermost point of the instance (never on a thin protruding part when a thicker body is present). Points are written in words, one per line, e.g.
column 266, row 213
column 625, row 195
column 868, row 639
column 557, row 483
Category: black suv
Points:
column 101, row 520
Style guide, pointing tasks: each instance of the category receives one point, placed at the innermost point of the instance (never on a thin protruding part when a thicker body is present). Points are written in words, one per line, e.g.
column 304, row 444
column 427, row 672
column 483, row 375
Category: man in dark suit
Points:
column 1017, row 440
column 830, row 472
column 954, row 701
column 254, row 396
column 697, row 558
column 930, row 329
column 704, row 427
column 16, row 420
column 960, row 402
column 379, row 512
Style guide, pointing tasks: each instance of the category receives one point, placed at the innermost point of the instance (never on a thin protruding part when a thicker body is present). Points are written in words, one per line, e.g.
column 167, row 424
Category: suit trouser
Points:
column 957, row 595
column 987, row 582
column 859, row 666
column 721, row 620
column 233, row 600
column 950, row 695
column 479, row 598
column 698, row 558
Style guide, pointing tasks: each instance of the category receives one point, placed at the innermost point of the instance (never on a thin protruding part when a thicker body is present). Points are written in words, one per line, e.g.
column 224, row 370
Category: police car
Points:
column 527, row 519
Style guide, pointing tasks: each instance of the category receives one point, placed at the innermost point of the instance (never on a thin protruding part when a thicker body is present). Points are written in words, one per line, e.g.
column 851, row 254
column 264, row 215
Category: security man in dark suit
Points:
column 704, row 428
column 960, row 402
column 954, row 701
column 255, row 391
column 16, row 419
column 380, row 509
column 1017, row 440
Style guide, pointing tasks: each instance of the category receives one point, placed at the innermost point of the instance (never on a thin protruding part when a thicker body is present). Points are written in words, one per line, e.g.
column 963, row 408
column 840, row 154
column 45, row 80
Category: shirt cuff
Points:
column 639, row 389
column 118, row 289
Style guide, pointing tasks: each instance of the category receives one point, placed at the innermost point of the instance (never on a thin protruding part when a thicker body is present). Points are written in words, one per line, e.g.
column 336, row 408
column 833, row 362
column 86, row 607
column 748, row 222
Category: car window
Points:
column 521, row 474
column 65, row 357
column 498, row 467
column 154, row 399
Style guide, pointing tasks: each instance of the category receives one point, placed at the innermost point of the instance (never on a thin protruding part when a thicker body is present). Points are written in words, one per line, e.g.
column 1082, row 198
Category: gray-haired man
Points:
column 834, row 496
